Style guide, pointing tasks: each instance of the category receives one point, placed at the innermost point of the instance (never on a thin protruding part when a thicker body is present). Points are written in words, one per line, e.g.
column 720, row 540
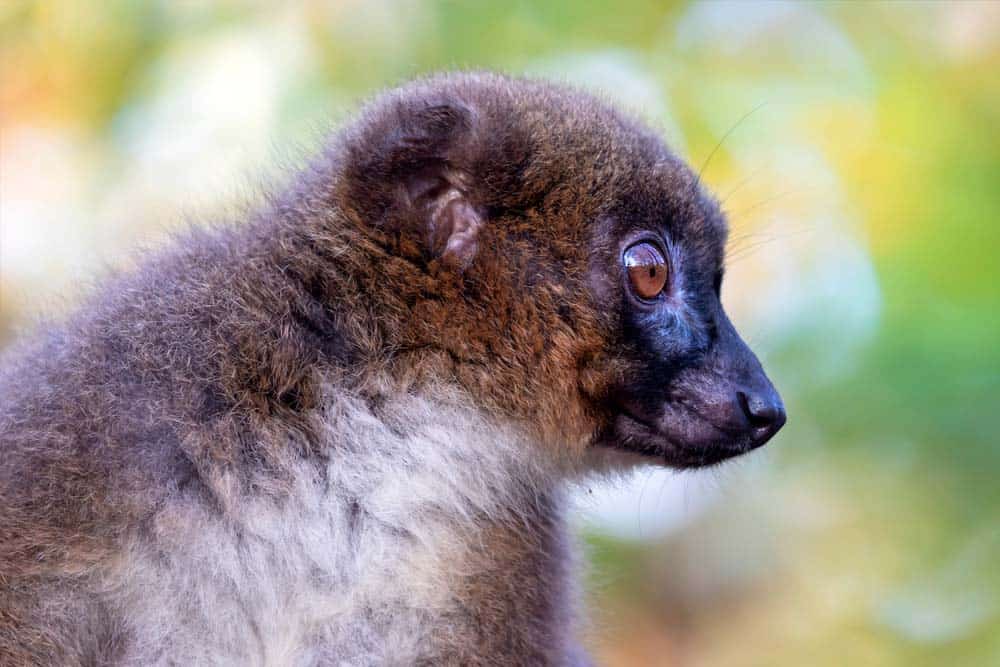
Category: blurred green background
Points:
column 856, row 149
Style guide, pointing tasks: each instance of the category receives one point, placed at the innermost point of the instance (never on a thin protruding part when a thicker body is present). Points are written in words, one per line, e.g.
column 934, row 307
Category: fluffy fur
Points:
column 337, row 433
column 358, row 564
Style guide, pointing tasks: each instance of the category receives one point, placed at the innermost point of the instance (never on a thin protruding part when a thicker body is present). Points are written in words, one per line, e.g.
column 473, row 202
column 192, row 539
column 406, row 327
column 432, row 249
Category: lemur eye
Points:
column 647, row 269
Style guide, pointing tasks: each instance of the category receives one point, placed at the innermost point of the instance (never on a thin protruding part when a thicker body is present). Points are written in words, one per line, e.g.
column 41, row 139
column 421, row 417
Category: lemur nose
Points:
column 765, row 412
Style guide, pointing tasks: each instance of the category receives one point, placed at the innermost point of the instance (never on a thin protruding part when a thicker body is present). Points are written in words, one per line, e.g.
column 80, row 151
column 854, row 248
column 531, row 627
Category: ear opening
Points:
column 453, row 229
column 403, row 173
column 438, row 194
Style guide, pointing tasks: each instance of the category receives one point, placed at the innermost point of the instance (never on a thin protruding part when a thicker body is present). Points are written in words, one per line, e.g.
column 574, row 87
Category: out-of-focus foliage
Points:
column 856, row 148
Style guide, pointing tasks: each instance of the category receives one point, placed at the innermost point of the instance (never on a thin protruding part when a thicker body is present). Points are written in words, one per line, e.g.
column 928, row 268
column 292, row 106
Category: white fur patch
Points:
column 350, row 566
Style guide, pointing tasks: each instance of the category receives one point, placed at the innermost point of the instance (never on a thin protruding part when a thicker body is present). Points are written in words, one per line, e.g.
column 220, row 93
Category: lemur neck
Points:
column 428, row 450
column 452, row 515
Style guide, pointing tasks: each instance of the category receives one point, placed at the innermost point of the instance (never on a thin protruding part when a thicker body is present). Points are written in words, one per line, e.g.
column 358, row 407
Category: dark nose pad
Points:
column 765, row 412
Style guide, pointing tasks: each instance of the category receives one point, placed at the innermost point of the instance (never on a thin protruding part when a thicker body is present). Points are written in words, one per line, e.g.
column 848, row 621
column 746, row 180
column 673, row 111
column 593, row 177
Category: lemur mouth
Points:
column 689, row 441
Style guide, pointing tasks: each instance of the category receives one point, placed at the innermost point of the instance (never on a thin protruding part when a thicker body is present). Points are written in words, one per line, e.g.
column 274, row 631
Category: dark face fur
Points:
column 692, row 393
column 561, row 263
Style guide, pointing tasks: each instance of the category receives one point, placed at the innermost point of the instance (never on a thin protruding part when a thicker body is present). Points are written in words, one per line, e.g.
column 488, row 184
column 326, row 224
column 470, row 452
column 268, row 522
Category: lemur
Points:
column 340, row 432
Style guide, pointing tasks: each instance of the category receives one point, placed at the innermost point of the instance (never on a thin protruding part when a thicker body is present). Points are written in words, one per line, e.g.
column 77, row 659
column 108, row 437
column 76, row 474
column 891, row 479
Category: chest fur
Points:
column 422, row 518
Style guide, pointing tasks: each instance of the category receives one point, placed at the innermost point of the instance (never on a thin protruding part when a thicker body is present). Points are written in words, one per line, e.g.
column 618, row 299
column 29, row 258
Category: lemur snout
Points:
column 764, row 411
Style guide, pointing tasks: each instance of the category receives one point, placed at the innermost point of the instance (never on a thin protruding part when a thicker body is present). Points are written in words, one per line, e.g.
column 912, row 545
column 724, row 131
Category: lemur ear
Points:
column 405, row 174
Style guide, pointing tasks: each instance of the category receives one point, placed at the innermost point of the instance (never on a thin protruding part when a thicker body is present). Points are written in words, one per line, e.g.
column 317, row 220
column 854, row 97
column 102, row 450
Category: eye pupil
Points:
column 647, row 269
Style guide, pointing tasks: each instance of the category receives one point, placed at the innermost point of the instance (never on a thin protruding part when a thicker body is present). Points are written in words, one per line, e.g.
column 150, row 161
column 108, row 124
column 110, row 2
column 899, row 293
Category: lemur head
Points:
column 558, row 262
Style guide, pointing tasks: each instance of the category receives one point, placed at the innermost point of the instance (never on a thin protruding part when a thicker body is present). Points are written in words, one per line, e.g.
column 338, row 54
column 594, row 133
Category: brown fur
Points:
column 199, row 378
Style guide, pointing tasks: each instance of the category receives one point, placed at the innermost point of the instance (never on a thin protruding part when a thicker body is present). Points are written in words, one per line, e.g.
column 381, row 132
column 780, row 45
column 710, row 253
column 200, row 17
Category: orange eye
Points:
column 647, row 269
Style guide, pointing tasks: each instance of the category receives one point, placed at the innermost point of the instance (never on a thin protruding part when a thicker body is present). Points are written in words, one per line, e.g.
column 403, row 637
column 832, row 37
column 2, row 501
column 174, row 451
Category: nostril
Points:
column 763, row 413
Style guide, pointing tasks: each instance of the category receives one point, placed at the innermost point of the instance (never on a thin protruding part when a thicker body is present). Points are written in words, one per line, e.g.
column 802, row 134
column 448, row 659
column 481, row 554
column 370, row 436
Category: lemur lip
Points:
column 633, row 434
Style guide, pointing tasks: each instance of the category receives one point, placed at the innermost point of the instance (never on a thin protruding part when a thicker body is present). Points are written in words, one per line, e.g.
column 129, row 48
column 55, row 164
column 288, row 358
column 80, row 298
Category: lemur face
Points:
column 565, row 264
column 688, row 390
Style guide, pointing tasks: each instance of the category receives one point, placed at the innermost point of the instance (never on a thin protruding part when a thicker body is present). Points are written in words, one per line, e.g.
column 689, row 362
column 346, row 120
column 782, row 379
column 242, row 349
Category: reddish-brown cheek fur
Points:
column 517, row 353
column 517, row 327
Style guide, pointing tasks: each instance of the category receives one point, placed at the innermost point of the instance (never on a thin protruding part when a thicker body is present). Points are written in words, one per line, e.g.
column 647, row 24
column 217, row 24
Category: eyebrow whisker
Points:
column 725, row 136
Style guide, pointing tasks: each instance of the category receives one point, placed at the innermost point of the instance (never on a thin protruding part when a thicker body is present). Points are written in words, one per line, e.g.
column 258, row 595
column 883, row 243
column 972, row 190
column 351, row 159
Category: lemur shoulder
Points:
column 339, row 432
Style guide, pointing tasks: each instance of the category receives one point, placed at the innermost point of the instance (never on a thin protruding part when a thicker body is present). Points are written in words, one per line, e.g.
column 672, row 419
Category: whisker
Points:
column 766, row 231
column 745, row 251
column 736, row 241
column 769, row 200
column 739, row 186
column 732, row 129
